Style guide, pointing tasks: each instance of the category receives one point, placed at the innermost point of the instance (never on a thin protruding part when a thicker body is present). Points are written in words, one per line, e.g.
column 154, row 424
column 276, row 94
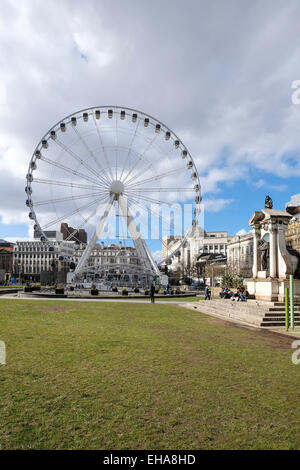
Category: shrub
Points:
column 136, row 290
column 36, row 287
column 237, row 282
column 227, row 280
column 124, row 291
column 59, row 289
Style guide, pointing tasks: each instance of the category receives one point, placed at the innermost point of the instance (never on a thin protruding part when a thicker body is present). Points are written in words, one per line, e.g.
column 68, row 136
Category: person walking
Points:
column 152, row 292
column 206, row 293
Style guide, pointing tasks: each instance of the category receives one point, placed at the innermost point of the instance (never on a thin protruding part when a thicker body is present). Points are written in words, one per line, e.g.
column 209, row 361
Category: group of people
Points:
column 240, row 295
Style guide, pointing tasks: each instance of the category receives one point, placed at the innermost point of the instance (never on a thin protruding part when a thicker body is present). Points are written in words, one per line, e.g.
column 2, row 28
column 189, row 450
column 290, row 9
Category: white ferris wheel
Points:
column 109, row 158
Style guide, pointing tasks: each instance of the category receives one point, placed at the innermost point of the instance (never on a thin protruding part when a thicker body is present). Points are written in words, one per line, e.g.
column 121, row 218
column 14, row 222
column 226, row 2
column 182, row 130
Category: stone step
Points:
column 230, row 304
column 280, row 314
column 282, row 309
column 234, row 308
column 281, row 304
column 251, row 313
column 255, row 319
column 276, row 323
column 270, row 319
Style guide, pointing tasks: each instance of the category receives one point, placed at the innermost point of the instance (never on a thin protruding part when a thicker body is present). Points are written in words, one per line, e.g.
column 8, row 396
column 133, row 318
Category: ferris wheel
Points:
column 109, row 158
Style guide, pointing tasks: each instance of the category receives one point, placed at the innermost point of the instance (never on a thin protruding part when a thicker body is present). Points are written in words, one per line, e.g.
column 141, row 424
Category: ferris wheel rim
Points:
column 140, row 115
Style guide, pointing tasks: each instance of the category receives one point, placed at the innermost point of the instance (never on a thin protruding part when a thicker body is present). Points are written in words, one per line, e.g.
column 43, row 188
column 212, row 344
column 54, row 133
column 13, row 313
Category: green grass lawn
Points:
column 139, row 376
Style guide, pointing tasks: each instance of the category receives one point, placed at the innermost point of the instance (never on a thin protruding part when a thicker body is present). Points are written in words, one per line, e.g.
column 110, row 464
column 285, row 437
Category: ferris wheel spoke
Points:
column 69, row 214
column 150, row 210
column 140, row 156
column 155, row 178
column 104, row 177
column 70, row 170
column 143, row 171
column 86, row 220
column 162, row 190
column 148, row 199
column 67, row 198
column 80, row 160
column 103, row 148
column 63, row 183
column 130, row 147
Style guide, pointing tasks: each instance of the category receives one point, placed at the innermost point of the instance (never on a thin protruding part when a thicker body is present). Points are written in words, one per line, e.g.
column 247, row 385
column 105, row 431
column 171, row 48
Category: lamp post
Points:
column 20, row 272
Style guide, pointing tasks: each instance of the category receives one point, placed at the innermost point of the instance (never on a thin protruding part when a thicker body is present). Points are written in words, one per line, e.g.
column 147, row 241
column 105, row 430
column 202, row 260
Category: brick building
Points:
column 6, row 260
column 80, row 235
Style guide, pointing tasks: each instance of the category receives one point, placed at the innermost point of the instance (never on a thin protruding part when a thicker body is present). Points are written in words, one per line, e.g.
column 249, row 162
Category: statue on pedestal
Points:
column 272, row 262
column 263, row 247
column 268, row 202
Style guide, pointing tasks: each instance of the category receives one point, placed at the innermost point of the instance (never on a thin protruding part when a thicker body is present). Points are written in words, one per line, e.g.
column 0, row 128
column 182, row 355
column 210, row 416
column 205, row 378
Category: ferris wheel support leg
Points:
column 139, row 242
column 99, row 229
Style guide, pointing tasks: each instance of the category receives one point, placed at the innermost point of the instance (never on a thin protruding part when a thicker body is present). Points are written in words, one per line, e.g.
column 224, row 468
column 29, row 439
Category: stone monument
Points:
column 272, row 262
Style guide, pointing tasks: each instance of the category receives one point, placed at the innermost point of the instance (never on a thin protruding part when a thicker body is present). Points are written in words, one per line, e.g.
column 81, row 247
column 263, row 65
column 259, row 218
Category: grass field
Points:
column 83, row 375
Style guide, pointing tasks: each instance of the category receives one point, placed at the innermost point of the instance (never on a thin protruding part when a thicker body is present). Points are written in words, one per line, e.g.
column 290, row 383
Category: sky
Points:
column 219, row 74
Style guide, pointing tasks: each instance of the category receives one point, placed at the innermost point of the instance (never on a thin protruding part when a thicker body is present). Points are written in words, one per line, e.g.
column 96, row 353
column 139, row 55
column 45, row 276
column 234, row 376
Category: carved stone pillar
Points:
column 273, row 251
column 256, row 264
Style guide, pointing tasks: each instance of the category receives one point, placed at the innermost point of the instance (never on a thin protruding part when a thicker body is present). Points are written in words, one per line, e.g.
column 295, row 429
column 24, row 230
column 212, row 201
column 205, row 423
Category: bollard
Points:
column 292, row 322
column 287, row 308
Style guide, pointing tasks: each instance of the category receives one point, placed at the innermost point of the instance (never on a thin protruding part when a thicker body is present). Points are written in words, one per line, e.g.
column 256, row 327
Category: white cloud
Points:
column 157, row 255
column 215, row 205
column 295, row 200
column 275, row 187
column 220, row 78
column 241, row 232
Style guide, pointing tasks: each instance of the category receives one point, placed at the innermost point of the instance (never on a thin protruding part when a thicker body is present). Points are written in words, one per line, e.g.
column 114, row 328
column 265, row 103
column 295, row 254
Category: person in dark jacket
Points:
column 152, row 292
column 206, row 293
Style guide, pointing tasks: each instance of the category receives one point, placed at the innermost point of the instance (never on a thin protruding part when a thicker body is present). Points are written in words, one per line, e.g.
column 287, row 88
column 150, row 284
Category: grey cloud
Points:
column 218, row 73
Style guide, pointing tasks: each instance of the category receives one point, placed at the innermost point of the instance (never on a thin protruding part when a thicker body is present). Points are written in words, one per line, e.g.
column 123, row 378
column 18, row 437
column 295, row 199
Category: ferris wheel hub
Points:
column 116, row 187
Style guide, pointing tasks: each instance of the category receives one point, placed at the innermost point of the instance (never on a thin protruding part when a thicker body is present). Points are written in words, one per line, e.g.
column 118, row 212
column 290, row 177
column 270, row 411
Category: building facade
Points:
column 109, row 257
column 37, row 261
column 292, row 235
column 215, row 243
column 240, row 255
column 6, row 261
column 184, row 257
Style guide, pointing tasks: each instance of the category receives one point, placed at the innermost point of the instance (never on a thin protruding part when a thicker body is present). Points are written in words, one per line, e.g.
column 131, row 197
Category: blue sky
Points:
column 219, row 74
